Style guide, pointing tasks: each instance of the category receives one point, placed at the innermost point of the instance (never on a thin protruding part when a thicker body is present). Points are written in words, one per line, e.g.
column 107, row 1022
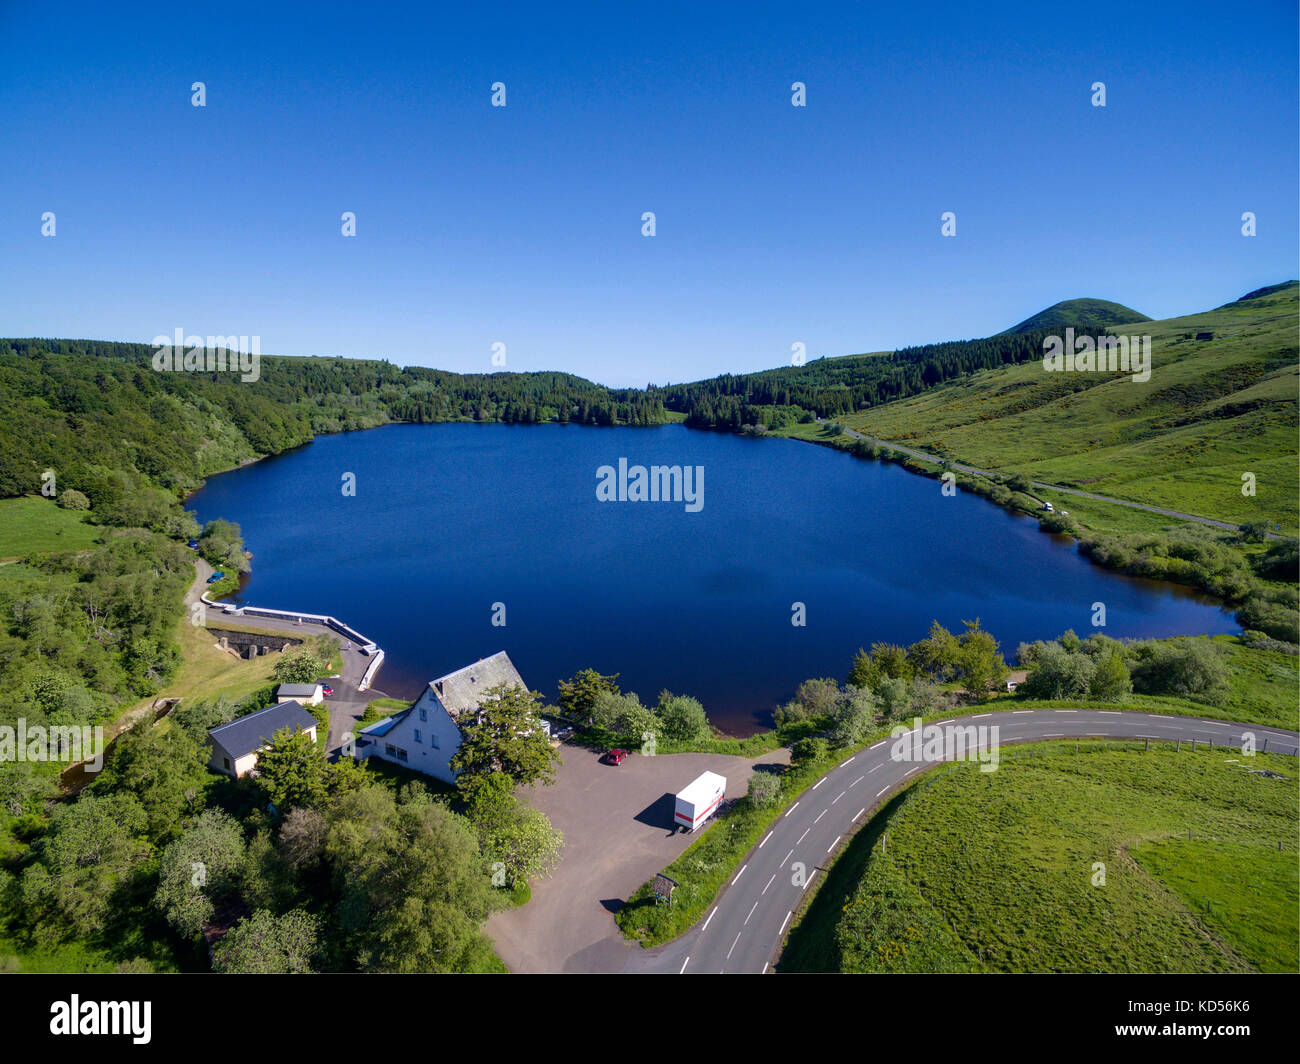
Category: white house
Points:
column 425, row 735
column 235, row 746
column 309, row 694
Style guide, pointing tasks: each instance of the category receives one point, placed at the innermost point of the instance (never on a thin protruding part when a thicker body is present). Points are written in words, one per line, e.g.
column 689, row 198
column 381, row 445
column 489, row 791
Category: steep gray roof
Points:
column 243, row 735
column 464, row 689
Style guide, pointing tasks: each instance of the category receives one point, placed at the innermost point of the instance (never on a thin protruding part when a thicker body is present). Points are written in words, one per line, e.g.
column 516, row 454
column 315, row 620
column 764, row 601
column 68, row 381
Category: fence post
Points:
column 1147, row 747
column 1263, row 748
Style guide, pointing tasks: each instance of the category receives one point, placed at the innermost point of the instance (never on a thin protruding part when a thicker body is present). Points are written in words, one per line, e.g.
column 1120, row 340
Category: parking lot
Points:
column 617, row 825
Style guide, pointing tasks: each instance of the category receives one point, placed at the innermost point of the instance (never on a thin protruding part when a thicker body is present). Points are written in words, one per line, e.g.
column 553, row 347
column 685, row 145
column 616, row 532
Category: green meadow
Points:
column 1111, row 859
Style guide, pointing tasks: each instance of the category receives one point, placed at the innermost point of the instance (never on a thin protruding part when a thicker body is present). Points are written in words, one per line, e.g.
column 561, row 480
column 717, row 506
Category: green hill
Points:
column 1221, row 402
column 1079, row 314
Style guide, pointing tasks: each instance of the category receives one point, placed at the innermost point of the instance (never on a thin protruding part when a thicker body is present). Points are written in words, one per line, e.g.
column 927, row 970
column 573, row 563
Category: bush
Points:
column 1111, row 681
column 71, row 499
column 805, row 750
column 1190, row 668
column 681, row 718
column 1059, row 674
column 764, row 789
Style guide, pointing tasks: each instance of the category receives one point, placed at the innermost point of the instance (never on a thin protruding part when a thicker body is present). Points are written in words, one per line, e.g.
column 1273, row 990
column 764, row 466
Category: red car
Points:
column 616, row 757
column 327, row 691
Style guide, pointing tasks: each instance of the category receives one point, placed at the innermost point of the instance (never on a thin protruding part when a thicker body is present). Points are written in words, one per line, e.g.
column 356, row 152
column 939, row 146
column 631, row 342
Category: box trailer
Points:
column 699, row 800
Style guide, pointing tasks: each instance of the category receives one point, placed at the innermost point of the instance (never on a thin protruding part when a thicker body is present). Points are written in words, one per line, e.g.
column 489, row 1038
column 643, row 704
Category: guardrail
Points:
column 366, row 646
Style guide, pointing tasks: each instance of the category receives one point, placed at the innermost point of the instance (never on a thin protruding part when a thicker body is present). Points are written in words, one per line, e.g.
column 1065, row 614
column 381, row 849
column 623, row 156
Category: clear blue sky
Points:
column 522, row 224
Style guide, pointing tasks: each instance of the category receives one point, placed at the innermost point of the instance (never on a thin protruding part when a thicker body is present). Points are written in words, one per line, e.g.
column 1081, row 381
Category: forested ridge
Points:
column 829, row 387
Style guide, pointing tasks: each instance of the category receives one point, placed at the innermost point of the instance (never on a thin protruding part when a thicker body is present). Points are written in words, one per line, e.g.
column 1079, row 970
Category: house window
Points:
column 227, row 762
column 424, row 714
column 417, row 735
column 433, row 740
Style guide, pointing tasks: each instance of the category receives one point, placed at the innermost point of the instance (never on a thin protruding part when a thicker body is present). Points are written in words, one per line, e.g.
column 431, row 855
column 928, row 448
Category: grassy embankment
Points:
column 971, row 871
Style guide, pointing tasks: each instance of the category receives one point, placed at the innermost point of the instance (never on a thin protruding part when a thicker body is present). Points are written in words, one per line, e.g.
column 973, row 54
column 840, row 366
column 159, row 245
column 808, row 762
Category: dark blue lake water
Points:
column 449, row 519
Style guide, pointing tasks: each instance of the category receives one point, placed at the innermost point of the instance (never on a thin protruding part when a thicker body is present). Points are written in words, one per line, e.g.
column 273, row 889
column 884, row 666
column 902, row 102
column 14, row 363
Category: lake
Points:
column 448, row 521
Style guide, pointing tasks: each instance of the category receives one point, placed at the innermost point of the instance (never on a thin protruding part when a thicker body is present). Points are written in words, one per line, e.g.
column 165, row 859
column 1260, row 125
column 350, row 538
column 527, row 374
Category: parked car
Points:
column 193, row 544
column 326, row 690
column 215, row 577
column 616, row 757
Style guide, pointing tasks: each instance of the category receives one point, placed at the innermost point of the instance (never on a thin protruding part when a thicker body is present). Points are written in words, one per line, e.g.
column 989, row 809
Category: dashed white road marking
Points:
column 819, row 783
column 787, row 857
column 858, row 780
column 751, row 912
column 764, row 971
column 711, row 916
column 910, row 771
column 938, row 723
column 810, row 879
column 769, row 882
column 874, row 769
column 856, row 815
column 833, row 844
column 1016, row 711
column 733, row 946
column 840, row 795
column 684, row 964
column 740, row 873
column 879, row 744
column 784, row 922
column 790, row 810
column 843, row 763
column 803, row 836
column 981, row 716
column 881, row 791
column 820, row 815
column 765, row 838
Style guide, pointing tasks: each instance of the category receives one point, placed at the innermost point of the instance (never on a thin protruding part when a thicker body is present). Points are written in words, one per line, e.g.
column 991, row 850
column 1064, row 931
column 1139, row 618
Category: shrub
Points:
column 1190, row 668
column 71, row 499
column 805, row 750
column 681, row 717
column 764, row 789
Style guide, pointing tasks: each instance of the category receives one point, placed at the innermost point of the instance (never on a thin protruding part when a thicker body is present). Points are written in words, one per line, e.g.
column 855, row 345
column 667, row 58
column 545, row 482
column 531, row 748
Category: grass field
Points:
column 1211, row 411
column 999, row 871
column 34, row 525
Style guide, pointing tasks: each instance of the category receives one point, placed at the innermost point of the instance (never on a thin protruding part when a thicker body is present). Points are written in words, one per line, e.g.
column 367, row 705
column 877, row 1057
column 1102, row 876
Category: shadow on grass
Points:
column 811, row 946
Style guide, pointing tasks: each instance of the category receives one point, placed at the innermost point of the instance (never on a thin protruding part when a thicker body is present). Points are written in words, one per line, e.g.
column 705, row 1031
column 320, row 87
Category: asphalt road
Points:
column 742, row 931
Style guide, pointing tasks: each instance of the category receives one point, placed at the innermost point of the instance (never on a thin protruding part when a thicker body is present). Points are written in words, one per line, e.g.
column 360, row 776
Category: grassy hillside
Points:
column 34, row 525
column 1212, row 410
column 997, row 871
column 1080, row 314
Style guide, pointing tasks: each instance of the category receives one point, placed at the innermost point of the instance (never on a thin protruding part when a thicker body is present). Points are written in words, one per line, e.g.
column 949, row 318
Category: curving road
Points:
column 742, row 930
